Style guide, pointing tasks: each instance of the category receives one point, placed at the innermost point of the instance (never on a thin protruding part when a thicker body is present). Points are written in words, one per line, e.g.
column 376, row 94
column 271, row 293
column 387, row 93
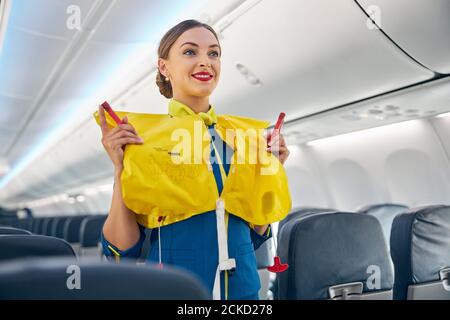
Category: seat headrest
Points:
column 330, row 249
column 72, row 229
column 11, row 231
column 26, row 246
column 58, row 230
column 301, row 213
column 49, row 279
column 47, row 227
column 384, row 209
column 90, row 231
column 420, row 246
column 385, row 213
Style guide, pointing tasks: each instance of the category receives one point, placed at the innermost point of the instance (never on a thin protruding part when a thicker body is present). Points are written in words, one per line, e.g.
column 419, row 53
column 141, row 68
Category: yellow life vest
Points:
column 170, row 175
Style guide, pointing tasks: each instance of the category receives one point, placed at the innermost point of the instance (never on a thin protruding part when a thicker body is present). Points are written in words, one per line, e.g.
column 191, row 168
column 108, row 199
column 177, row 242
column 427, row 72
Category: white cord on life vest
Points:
column 225, row 263
column 160, row 220
column 159, row 243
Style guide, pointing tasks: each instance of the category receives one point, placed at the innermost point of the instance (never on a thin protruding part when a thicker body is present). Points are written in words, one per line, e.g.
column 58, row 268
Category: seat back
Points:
column 295, row 214
column 37, row 225
column 335, row 255
column 58, row 227
column 25, row 224
column 43, row 226
column 26, row 246
column 301, row 213
column 63, row 279
column 420, row 250
column 49, row 226
column 52, row 226
column 264, row 258
column 72, row 229
column 90, row 231
column 10, row 231
column 385, row 213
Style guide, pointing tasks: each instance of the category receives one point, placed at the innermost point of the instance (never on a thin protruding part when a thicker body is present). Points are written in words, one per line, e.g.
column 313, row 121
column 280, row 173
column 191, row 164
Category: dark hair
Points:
column 166, row 43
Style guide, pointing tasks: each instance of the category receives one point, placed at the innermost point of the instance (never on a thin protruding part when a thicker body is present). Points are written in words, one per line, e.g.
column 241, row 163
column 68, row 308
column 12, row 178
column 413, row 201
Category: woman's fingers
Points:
column 282, row 141
column 103, row 124
column 119, row 143
column 128, row 127
column 282, row 153
column 278, row 147
column 123, row 134
column 278, row 140
column 116, row 138
column 121, row 128
column 113, row 131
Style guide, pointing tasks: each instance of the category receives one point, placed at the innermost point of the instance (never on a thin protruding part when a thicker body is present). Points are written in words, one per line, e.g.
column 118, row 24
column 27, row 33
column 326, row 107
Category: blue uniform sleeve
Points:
column 258, row 239
column 113, row 253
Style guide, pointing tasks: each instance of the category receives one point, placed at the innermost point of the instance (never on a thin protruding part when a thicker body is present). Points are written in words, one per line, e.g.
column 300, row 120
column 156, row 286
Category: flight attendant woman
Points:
column 189, row 71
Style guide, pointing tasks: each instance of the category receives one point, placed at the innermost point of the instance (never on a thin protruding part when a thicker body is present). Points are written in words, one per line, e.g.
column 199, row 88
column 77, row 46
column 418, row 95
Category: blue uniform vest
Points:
column 192, row 244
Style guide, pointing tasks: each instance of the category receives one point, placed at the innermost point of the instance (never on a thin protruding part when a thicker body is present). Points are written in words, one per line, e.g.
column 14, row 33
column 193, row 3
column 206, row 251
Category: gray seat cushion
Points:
column 329, row 249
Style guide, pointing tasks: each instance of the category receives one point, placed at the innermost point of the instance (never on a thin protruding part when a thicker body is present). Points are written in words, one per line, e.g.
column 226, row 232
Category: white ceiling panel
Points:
column 47, row 18
column 26, row 62
column 421, row 28
column 310, row 56
column 11, row 111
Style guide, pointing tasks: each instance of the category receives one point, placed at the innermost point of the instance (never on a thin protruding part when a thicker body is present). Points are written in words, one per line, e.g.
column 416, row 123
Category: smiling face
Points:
column 195, row 51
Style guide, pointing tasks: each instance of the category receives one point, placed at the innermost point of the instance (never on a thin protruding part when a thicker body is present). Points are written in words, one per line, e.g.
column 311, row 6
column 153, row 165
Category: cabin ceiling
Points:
column 309, row 55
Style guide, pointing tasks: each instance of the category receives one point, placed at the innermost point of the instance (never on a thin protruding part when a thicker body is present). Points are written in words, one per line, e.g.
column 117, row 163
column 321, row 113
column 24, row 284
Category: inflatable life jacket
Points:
column 170, row 175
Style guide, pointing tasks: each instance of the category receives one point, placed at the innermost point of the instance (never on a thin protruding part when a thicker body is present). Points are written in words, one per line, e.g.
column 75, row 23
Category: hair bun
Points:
column 165, row 87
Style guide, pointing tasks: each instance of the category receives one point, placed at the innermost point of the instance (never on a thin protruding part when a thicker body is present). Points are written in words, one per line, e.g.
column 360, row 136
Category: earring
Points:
column 167, row 79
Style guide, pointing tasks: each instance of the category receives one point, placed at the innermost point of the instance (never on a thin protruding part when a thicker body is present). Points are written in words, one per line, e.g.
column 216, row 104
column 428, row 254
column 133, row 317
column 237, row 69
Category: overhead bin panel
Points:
column 425, row 101
column 421, row 28
column 309, row 56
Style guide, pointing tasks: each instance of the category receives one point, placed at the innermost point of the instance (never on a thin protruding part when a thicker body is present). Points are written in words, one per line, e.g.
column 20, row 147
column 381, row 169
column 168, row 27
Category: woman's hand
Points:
column 261, row 230
column 115, row 140
column 278, row 147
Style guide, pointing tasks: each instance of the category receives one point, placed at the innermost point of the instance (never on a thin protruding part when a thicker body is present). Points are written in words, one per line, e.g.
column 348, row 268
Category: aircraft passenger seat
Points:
column 11, row 231
column 385, row 213
column 90, row 231
column 58, row 227
column 71, row 231
column 334, row 255
column 420, row 250
column 26, row 246
column 62, row 279
column 264, row 259
column 301, row 213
